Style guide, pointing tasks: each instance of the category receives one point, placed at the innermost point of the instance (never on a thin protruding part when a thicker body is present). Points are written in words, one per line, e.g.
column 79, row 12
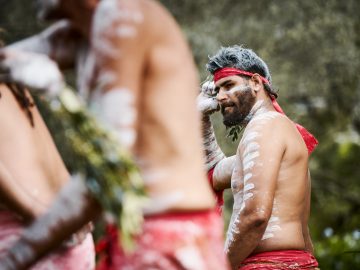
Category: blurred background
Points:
column 312, row 48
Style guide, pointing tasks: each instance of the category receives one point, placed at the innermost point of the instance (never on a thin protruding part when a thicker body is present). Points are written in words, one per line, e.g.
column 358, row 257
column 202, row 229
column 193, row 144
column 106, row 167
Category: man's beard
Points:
column 239, row 112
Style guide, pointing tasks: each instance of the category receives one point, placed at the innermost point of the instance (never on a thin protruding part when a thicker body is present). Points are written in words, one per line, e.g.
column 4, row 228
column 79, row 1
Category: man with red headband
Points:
column 133, row 74
column 268, row 175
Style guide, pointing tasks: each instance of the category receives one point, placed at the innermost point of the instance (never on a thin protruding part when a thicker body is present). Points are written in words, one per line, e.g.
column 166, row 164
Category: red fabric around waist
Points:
column 281, row 259
column 169, row 241
column 218, row 194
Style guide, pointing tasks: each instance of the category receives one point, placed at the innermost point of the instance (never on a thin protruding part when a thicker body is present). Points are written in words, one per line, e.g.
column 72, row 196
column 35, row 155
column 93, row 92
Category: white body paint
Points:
column 34, row 70
column 207, row 104
column 159, row 204
column 273, row 224
column 245, row 171
column 107, row 17
column 116, row 108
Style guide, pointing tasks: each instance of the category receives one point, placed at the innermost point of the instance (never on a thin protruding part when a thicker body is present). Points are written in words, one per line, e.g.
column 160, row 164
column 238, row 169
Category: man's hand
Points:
column 206, row 100
column 32, row 70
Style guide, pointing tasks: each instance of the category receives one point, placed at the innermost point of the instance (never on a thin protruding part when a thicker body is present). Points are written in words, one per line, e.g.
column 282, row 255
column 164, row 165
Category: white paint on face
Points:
column 239, row 89
column 160, row 204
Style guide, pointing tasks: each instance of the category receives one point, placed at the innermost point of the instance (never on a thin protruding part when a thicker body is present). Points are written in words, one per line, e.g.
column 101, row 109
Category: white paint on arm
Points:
column 207, row 104
column 33, row 70
column 60, row 42
column 223, row 172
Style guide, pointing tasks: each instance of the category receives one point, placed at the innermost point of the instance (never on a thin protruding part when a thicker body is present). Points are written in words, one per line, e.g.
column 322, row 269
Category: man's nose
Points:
column 221, row 96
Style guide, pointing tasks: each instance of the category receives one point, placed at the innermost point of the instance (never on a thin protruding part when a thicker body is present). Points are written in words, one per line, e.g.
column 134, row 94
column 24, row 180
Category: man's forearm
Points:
column 213, row 153
column 242, row 239
column 73, row 208
column 60, row 42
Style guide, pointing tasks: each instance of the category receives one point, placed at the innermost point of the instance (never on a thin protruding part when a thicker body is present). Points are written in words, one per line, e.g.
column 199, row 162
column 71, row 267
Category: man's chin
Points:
column 233, row 121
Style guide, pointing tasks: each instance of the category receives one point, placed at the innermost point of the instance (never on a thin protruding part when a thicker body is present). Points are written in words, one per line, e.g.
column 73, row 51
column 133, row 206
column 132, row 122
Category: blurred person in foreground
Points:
column 139, row 78
column 268, row 175
column 31, row 175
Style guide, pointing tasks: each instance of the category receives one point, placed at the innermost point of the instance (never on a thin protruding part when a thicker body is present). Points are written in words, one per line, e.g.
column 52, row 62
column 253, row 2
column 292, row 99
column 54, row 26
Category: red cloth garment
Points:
column 78, row 257
column 280, row 260
column 218, row 194
column 170, row 242
column 309, row 139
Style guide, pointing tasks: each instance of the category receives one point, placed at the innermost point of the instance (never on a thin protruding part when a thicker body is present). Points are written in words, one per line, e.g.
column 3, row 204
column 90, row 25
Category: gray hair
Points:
column 241, row 58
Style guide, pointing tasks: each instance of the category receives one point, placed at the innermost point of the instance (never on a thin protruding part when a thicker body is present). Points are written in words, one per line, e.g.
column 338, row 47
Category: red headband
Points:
column 309, row 139
column 225, row 72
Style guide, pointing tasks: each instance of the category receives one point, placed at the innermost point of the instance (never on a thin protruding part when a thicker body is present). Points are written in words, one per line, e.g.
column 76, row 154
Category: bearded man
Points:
column 268, row 175
column 142, row 83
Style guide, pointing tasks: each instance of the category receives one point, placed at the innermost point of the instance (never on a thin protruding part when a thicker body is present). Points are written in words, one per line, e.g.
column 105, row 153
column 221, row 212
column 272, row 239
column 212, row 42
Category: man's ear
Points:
column 257, row 83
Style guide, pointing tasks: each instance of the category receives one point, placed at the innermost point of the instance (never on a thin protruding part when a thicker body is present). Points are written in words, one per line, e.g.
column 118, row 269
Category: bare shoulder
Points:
column 272, row 128
column 278, row 127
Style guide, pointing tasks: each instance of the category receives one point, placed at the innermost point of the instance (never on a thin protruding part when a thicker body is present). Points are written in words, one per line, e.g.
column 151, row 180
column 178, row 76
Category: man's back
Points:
column 29, row 155
column 31, row 175
column 156, row 68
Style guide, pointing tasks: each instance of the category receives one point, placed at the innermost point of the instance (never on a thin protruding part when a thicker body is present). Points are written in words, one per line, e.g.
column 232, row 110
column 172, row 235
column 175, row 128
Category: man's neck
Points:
column 261, row 106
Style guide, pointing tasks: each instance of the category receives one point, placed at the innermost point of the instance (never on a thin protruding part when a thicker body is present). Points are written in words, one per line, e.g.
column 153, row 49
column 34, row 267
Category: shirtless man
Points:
column 144, row 87
column 268, row 175
column 31, row 175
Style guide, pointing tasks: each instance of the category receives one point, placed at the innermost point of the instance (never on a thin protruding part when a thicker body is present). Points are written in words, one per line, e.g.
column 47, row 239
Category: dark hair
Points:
column 19, row 93
column 241, row 58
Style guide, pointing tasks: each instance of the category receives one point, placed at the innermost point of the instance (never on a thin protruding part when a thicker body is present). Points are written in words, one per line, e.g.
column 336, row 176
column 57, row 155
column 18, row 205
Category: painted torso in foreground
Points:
column 148, row 97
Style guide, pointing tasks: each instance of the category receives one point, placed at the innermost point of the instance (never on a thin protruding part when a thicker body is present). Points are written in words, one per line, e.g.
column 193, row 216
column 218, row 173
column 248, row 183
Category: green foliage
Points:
column 109, row 171
column 339, row 251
